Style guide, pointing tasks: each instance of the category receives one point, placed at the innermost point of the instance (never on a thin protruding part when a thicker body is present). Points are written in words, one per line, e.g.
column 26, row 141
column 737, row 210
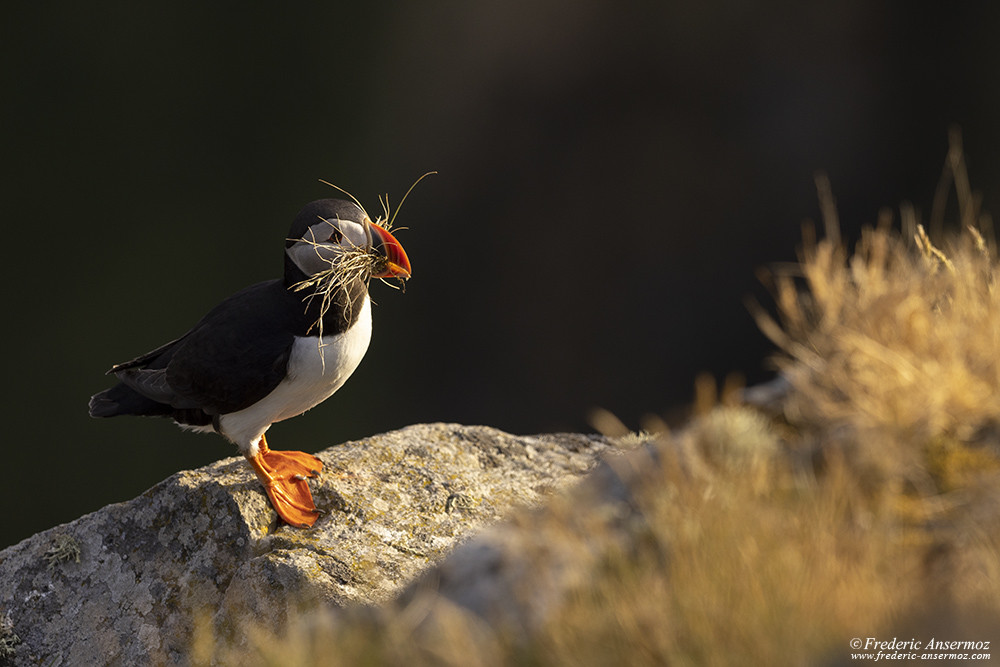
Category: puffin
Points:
column 272, row 350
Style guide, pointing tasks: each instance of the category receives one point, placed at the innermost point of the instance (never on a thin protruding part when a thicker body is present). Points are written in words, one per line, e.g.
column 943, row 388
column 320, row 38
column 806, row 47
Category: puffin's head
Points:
column 337, row 238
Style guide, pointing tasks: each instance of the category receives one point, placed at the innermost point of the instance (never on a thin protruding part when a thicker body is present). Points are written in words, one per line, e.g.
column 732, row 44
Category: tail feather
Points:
column 121, row 400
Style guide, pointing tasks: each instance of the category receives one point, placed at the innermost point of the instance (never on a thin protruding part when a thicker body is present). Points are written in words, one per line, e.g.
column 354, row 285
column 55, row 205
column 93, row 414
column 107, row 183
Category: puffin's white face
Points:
column 327, row 240
column 366, row 247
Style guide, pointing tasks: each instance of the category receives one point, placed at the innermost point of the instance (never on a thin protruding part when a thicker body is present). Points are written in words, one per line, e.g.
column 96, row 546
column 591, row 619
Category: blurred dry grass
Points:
column 866, row 503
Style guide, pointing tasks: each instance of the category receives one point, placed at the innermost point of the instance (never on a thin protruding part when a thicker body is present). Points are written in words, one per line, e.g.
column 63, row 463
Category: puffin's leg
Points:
column 283, row 475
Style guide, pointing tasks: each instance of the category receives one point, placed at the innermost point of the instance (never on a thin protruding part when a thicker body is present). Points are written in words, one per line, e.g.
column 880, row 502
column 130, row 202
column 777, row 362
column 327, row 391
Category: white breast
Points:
column 315, row 372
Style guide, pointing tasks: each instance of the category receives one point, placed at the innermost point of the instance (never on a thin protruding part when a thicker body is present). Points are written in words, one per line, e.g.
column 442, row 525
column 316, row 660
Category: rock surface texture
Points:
column 128, row 583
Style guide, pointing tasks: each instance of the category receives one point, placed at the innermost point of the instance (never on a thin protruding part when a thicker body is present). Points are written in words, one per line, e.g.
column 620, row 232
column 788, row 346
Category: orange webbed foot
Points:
column 283, row 475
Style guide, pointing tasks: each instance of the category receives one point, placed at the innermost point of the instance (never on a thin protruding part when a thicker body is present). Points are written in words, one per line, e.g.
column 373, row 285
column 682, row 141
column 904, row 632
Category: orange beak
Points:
column 397, row 264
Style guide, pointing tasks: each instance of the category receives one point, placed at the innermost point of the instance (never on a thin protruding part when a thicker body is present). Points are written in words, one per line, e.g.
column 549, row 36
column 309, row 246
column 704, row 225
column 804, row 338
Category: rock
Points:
column 517, row 574
column 521, row 574
column 128, row 583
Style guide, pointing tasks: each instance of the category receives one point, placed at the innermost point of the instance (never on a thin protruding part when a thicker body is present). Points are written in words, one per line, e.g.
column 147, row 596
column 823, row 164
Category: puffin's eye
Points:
column 335, row 236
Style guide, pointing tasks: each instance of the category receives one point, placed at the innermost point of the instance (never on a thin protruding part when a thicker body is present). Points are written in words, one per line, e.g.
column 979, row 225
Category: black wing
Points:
column 145, row 359
column 236, row 355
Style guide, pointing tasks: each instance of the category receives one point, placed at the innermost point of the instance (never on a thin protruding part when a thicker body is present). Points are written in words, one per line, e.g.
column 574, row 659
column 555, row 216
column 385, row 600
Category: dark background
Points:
column 611, row 175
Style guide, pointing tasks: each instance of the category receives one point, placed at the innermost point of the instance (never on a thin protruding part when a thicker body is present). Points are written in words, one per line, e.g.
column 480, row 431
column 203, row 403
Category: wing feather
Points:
column 236, row 355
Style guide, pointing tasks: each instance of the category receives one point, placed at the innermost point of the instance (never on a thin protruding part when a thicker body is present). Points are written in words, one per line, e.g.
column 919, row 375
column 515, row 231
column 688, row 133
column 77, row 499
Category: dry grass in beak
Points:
column 350, row 264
